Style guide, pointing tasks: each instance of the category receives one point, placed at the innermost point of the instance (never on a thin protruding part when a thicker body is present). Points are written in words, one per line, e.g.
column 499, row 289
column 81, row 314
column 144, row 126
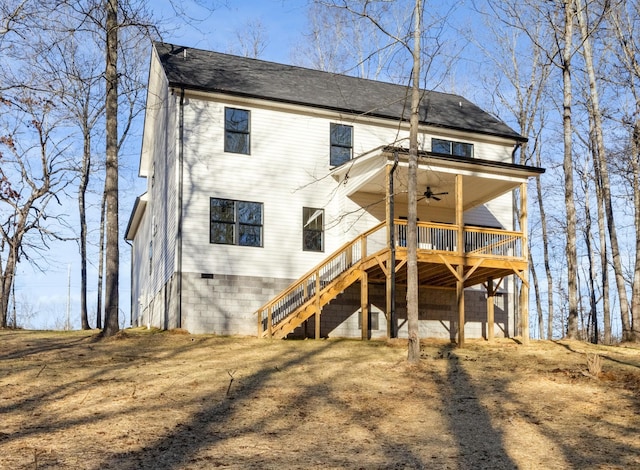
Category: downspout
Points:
column 392, row 242
column 180, row 187
column 131, row 283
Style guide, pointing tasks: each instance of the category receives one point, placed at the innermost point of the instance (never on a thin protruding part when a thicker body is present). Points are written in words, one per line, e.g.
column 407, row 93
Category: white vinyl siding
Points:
column 156, row 234
column 285, row 174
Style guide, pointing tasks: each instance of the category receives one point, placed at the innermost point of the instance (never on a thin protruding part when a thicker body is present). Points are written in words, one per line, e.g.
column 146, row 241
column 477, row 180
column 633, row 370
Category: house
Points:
column 276, row 205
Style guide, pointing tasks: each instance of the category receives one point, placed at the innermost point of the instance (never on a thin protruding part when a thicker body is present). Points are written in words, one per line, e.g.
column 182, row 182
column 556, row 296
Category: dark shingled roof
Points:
column 197, row 69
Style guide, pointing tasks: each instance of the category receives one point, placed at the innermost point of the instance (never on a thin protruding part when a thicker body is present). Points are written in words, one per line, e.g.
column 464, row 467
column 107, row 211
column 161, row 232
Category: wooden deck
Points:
column 449, row 256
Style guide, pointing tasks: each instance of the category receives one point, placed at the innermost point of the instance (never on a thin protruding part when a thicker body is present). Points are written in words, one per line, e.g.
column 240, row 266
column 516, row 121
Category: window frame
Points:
column 339, row 145
column 307, row 213
column 237, row 223
column 452, row 146
column 230, row 131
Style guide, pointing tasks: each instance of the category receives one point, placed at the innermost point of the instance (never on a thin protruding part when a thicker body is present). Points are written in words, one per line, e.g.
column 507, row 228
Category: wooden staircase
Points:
column 306, row 296
column 482, row 254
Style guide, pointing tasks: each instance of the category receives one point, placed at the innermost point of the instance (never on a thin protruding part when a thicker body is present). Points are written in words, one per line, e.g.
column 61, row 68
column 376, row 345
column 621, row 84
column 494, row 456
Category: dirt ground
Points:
column 150, row 400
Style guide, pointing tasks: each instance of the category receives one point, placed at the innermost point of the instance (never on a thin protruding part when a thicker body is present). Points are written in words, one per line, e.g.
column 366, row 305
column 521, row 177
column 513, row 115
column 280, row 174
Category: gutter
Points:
column 180, row 188
column 130, row 280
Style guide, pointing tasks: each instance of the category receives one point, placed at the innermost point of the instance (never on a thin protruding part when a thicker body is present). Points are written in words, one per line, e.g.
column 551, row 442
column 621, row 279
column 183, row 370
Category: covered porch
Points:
column 452, row 252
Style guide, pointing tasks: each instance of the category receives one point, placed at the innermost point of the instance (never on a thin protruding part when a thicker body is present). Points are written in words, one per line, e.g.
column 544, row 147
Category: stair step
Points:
column 329, row 290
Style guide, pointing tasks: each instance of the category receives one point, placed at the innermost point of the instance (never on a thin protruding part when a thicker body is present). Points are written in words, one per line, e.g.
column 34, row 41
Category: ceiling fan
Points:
column 431, row 195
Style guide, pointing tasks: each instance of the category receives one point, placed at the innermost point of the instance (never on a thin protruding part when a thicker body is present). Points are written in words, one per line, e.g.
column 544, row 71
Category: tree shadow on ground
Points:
column 35, row 346
column 179, row 447
column 603, row 440
column 468, row 419
column 605, row 354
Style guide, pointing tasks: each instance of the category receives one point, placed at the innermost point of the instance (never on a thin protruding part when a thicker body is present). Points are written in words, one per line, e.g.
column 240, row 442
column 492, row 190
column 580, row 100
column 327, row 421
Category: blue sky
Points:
column 284, row 22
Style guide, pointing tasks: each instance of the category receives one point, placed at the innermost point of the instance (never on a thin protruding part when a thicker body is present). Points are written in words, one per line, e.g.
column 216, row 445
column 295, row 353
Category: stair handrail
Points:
column 309, row 274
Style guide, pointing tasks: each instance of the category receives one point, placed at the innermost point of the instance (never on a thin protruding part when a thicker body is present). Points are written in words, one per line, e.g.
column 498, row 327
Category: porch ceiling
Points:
column 482, row 180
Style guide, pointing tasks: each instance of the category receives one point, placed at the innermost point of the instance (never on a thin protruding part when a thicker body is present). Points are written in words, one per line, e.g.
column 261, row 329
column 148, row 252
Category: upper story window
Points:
column 236, row 130
column 341, row 144
column 312, row 229
column 457, row 149
column 235, row 222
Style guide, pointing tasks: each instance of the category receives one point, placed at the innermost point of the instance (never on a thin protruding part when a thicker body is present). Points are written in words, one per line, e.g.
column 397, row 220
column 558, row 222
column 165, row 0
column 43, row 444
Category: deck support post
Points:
column 460, row 298
column 388, row 299
column 460, row 250
column 491, row 292
column 364, row 303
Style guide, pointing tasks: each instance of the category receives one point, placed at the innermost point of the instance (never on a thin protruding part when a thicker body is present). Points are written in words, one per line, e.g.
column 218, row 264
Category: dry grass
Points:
column 150, row 400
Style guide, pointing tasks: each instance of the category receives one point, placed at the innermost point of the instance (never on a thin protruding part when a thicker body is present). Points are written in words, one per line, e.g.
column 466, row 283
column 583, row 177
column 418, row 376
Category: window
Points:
column 236, row 130
column 312, row 229
column 458, row 149
column 341, row 144
column 236, row 222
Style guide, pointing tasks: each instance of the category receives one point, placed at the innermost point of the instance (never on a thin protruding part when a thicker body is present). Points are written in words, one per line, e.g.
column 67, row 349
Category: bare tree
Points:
column 624, row 19
column 34, row 174
column 251, row 39
column 527, row 74
column 111, row 324
column 75, row 79
column 103, row 210
column 121, row 84
column 600, row 155
column 339, row 41
column 412, row 188
column 567, row 52
column 12, row 13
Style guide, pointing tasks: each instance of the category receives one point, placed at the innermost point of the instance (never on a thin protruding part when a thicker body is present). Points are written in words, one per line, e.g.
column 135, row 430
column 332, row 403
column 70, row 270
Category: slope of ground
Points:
column 149, row 400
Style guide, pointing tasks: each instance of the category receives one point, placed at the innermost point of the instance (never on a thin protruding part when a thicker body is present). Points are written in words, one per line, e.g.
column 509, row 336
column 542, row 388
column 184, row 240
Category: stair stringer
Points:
column 308, row 309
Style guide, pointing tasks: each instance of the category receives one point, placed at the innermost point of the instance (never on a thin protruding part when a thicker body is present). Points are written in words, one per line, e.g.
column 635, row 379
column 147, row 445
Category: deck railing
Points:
column 491, row 242
column 477, row 240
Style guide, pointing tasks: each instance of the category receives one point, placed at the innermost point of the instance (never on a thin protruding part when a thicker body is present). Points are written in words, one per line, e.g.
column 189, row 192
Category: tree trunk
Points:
column 600, row 153
column 111, row 324
column 100, row 263
column 536, row 289
column 82, row 190
column 604, row 257
column 7, row 282
column 545, row 251
column 567, row 165
column 635, row 293
column 413, row 354
column 593, row 303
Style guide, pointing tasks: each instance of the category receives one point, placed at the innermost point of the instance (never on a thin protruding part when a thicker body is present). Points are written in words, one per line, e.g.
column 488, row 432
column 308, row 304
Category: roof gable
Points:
column 202, row 70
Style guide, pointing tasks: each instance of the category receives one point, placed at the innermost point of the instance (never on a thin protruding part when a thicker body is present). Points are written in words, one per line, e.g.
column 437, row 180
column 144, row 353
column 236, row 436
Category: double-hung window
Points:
column 312, row 229
column 236, row 222
column 236, row 130
column 449, row 147
column 341, row 144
